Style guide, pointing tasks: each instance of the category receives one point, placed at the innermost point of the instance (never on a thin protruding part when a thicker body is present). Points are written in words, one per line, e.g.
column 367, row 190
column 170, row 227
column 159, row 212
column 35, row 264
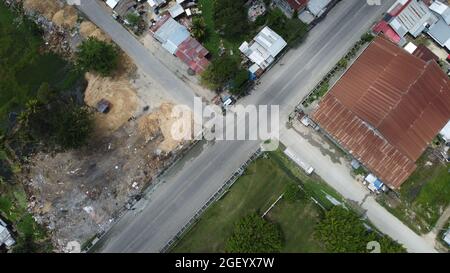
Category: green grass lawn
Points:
column 312, row 184
column 263, row 182
column 256, row 190
column 13, row 208
column 424, row 195
column 23, row 68
column 297, row 221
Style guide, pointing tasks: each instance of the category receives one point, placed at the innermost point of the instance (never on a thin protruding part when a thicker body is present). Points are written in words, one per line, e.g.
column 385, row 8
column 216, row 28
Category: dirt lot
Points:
column 88, row 29
column 66, row 17
column 76, row 194
column 47, row 8
column 121, row 96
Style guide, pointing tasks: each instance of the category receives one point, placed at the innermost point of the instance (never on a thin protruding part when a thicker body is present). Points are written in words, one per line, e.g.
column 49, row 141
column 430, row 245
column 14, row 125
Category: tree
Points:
column 45, row 93
column 239, row 81
column 230, row 18
column 220, row 71
column 343, row 231
column 35, row 120
column 98, row 56
column 199, row 28
column 343, row 63
column 292, row 30
column 252, row 234
column 26, row 244
column 74, row 127
column 133, row 19
column 59, row 124
column 390, row 246
column 293, row 193
column 367, row 37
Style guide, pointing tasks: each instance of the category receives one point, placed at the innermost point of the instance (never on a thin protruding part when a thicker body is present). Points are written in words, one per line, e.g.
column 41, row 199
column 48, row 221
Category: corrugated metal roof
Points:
column 193, row 54
column 440, row 32
column 386, row 109
column 425, row 54
column 317, row 7
column 297, row 4
column 413, row 18
column 170, row 33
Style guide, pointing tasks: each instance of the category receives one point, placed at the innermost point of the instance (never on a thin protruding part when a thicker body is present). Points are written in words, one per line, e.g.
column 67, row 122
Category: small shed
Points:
column 176, row 10
column 445, row 132
column 447, row 237
column 5, row 236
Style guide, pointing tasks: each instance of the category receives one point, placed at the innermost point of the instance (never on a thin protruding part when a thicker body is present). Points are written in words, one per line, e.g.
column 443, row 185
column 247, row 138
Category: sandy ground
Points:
column 119, row 93
column 48, row 8
column 440, row 52
column 66, row 17
column 162, row 122
column 88, row 29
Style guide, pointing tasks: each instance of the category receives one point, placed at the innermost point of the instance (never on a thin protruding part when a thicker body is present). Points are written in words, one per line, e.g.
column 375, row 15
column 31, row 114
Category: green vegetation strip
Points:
column 22, row 67
column 229, row 225
column 423, row 196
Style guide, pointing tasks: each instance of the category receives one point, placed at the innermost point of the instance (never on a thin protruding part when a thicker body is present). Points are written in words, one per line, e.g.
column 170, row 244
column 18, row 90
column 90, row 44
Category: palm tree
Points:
column 199, row 28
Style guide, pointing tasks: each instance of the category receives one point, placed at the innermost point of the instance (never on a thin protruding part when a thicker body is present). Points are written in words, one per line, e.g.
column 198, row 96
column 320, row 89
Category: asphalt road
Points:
column 163, row 212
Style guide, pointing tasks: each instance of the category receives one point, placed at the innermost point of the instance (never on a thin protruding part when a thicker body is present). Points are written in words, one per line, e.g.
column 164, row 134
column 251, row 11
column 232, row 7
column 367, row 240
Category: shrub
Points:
column 253, row 234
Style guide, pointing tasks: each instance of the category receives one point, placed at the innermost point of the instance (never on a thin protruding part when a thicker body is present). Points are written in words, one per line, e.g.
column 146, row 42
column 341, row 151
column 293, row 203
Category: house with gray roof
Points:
column 170, row 33
column 440, row 31
column 5, row 236
column 264, row 48
column 318, row 7
column 414, row 18
column 442, row 9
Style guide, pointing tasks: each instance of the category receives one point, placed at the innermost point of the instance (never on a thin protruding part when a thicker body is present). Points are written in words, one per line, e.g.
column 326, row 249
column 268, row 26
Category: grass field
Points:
column 297, row 221
column 263, row 182
column 424, row 195
column 13, row 208
column 23, row 68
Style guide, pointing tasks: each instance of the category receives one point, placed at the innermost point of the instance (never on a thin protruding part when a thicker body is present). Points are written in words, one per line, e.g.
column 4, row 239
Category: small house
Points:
column 289, row 7
column 264, row 48
column 6, row 238
column 170, row 33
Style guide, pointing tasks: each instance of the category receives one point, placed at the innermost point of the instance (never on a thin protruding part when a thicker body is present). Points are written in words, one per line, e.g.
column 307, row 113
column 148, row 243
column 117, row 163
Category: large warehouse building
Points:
column 386, row 109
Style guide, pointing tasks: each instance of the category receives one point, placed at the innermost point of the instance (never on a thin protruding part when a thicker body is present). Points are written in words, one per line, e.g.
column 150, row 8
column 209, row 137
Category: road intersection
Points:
column 183, row 190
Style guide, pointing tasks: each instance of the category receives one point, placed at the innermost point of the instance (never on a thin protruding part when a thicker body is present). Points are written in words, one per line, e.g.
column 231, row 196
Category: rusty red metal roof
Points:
column 297, row 4
column 193, row 54
column 425, row 54
column 386, row 109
